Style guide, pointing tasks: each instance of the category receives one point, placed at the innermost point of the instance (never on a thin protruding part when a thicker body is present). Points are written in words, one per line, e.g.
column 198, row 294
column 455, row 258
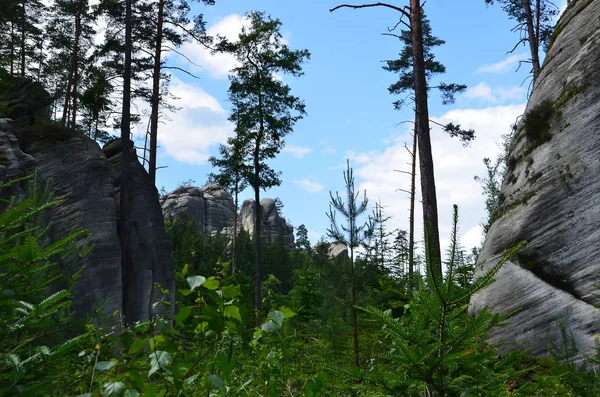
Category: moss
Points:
column 4, row 110
column 49, row 131
column 535, row 177
column 503, row 210
column 566, row 96
column 559, row 28
column 3, row 159
column 537, row 123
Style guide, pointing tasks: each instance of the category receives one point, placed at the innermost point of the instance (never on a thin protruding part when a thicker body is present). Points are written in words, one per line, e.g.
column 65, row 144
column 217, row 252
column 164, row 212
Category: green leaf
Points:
column 185, row 292
column 191, row 379
column 211, row 284
column 233, row 312
column 230, row 291
column 136, row 379
column 159, row 360
column 105, row 365
column 195, row 281
column 184, row 313
column 131, row 393
column 270, row 326
column 137, row 345
column 113, row 389
column 277, row 317
column 287, row 312
column 217, row 382
column 185, row 269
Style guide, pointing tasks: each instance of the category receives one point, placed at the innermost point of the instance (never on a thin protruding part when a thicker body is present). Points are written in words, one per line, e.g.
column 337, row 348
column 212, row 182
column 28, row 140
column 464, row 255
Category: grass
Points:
column 537, row 123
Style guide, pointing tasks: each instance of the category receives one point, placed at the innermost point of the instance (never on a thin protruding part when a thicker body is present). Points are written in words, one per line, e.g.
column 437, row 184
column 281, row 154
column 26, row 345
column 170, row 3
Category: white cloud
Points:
column 455, row 167
column 484, row 92
column 200, row 124
column 297, row 151
column 309, row 186
column 326, row 147
column 217, row 65
column 503, row 66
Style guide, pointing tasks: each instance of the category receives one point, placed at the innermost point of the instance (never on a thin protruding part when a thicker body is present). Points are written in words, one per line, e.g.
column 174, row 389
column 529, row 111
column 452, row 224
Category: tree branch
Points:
column 183, row 55
column 355, row 7
column 181, row 70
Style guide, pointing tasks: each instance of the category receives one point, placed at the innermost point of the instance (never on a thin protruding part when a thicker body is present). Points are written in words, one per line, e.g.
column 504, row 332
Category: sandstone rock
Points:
column 14, row 163
column 211, row 208
column 27, row 101
column 273, row 224
column 550, row 199
column 149, row 248
column 334, row 249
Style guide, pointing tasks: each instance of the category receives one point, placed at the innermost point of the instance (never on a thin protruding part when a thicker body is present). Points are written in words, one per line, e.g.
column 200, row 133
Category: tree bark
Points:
column 411, row 217
column 235, row 220
column 124, row 226
column 354, row 321
column 257, row 224
column 533, row 39
column 23, row 37
column 75, row 63
column 428, row 192
column 155, row 93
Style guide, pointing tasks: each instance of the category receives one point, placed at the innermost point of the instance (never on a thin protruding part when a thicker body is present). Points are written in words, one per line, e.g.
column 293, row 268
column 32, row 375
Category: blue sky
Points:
column 349, row 111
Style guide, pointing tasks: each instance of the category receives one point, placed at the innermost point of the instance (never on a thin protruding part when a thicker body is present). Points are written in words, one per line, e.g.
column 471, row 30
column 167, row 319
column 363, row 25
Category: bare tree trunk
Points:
column 23, row 38
column 124, row 226
column 533, row 39
column 428, row 192
column 411, row 217
column 75, row 63
column 354, row 321
column 12, row 48
column 235, row 220
column 155, row 93
column 257, row 245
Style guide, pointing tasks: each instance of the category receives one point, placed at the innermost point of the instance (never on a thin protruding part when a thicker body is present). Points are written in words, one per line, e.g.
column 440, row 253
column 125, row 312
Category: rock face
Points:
column 149, row 251
column 333, row 249
column 81, row 174
column 210, row 207
column 273, row 224
column 550, row 198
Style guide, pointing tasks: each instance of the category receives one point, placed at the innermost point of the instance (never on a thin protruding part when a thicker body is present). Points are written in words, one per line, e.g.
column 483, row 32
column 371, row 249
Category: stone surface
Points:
column 149, row 251
column 14, row 163
column 550, row 198
column 211, row 208
column 273, row 226
column 27, row 101
column 333, row 249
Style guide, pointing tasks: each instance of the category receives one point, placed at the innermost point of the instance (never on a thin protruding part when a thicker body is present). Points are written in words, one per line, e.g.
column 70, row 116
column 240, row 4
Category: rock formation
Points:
column 211, row 207
column 274, row 225
column 333, row 249
column 81, row 174
column 550, row 198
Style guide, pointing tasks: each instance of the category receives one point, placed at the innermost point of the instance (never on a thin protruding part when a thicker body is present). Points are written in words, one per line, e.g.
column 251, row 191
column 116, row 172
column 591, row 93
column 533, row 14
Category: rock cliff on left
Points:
column 80, row 172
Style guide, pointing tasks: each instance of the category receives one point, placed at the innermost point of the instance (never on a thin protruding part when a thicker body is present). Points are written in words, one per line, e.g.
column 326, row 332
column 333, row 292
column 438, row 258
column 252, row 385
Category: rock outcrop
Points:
column 550, row 198
column 273, row 224
column 211, row 207
column 334, row 250
column 81, row 174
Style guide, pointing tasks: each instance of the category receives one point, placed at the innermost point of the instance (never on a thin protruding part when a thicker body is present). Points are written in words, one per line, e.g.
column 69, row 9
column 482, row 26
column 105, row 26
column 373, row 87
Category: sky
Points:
column 350, row 115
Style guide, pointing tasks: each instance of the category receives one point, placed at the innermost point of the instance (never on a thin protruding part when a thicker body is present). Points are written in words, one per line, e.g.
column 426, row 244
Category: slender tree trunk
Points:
column 532, row 38
column 23, row 37
column 155, row 93
column 257, row 245
column 12, row 48
column 411, row 217
column 430, row 214
column 75, row 63
column 41, row 59
column 124, row 226
column 235, row 220
column 354, row 322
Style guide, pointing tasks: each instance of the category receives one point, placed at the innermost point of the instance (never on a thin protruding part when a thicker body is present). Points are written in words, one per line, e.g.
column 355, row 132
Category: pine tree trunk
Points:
column 411, row 217
column 532, row 38
column 12, row 48
column 257, row 245
column 354, row 322
column 235, row 220
column 75, row 63
column 23, row 37
column 155, row 93
column 430, row 214
column 124, row 227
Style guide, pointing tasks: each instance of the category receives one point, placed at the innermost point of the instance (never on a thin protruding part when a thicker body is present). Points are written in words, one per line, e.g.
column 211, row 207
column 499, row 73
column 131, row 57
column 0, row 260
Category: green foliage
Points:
column 536, row 123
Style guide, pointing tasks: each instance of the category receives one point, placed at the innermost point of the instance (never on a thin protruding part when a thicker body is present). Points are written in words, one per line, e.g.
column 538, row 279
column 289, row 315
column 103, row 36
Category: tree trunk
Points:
column 354, row 322
column 23, row 37
column 533, row 39
column 155, row 94
column 235, row 220
column 257, row 245
column 124, row 227
column 428, row 192
column 12, row 48
column 411, row 217
column 75, row 63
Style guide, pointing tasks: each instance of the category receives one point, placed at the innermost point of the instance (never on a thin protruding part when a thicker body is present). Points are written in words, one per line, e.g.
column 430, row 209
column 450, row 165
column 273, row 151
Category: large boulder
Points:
column 14, row 163
column 273, row 224
column 211, row 208
column 149, row 260
column 550, row 198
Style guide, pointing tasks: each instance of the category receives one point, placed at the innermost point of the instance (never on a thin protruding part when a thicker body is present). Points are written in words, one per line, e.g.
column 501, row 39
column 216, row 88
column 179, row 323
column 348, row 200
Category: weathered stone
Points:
column 27, row 101
column 14, row 163
column 273, row 224
column 149, row 251
column 550, row 198
column 334, row 250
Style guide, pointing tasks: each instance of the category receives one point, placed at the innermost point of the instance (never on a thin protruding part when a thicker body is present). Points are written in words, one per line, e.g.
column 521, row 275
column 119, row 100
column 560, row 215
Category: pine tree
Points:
column 264, row 107
column 302, row 241
column 351, row 235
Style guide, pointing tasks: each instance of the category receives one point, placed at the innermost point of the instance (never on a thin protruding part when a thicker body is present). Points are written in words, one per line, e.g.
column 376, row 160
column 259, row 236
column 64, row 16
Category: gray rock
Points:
column 333, row 249
column 211, row 208
column 14, row 163
column 149, row 250
column 274, row 224
column 550, row 199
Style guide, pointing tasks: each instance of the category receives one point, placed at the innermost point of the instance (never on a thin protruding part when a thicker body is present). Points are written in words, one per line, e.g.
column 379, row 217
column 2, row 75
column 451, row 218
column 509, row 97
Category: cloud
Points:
column 200, row 124
column 504, row 66
column 500, row 94
column 297, row 151
column 309, row 186
column 217, row 65
column 326, row 147
column 454, row 166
